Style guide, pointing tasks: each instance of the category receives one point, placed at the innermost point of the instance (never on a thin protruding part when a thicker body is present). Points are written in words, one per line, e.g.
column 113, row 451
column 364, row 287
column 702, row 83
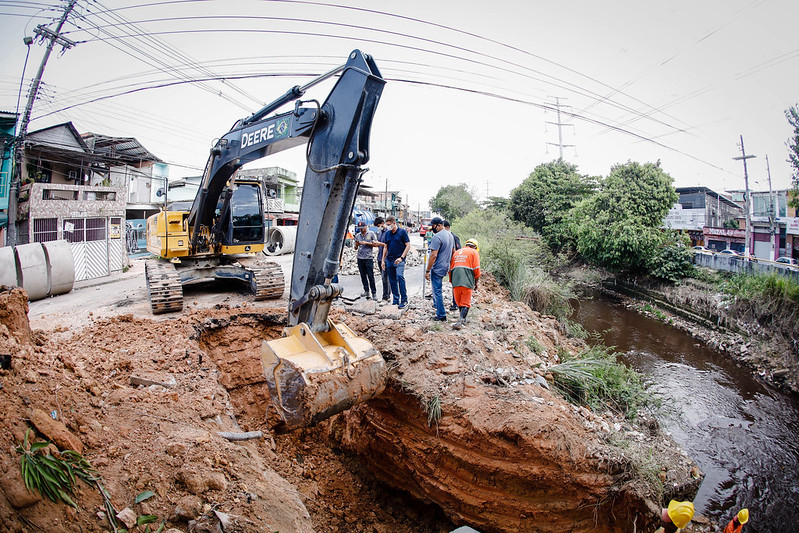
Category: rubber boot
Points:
column 458, row 323
column 464, row 312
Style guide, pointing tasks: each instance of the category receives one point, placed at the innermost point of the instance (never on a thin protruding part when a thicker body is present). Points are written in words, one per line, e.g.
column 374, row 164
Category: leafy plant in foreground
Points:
column 53, row 477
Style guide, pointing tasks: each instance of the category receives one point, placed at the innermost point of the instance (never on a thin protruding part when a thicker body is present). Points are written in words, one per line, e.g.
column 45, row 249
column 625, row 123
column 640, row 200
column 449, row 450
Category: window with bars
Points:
column 84, row 229
column 45, row 229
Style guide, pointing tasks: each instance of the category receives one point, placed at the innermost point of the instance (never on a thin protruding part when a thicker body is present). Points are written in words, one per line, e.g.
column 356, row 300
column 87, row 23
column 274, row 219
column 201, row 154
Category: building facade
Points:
column 699, row 209
column 76, row 188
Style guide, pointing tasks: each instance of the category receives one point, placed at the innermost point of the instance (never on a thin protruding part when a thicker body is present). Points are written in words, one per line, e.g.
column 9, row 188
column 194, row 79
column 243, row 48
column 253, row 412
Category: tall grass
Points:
column 772, row 301
column 596, row 379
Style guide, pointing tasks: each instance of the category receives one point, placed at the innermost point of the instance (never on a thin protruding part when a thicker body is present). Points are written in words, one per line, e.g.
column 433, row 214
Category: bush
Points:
column 517, row 258
column 671, row 263
column 596, row 379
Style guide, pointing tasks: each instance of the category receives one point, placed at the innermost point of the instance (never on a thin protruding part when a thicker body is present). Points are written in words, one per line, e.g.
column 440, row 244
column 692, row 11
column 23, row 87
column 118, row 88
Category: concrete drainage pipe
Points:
column 42, row 269
column 280, row 240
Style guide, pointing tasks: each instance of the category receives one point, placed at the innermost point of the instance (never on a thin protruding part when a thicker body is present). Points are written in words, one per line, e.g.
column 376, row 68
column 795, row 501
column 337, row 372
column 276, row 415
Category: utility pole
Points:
column 560, row 125
column 774, row 213
column 52, row 37
column 743, row 157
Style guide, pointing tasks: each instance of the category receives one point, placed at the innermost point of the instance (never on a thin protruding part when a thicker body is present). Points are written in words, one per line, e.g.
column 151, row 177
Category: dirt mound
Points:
column 13, row 316
column 467, row 425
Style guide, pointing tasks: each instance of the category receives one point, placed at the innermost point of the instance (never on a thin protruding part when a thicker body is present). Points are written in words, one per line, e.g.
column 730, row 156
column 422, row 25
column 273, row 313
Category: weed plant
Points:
column 596, row 379
column 53, row 477
column 769, row 300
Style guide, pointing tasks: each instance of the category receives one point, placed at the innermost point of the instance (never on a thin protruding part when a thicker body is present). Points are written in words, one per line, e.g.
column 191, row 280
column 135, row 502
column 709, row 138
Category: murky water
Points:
column 743, row 434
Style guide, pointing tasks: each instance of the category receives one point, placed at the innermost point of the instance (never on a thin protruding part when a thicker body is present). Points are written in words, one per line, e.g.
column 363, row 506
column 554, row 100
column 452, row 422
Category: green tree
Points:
column 453, row 201
column 543, row 200
column 620, row 226
column 497, row 203
column 792, row 114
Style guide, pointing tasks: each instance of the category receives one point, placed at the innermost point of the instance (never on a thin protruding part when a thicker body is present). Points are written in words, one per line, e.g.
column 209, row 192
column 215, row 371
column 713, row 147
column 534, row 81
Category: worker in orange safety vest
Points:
column 464, row 271
column 737, row 522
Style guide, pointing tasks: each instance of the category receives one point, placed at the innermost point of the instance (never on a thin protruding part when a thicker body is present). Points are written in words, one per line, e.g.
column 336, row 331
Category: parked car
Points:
column 702, row 250
column 732, row 253
column 787, row 261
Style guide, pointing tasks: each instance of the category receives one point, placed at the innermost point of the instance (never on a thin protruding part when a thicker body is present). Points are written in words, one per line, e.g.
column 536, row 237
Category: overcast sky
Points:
column 471, row 86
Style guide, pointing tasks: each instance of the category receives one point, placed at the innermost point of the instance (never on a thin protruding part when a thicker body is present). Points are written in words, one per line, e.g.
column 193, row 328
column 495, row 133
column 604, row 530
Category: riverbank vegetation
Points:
column 596, row 379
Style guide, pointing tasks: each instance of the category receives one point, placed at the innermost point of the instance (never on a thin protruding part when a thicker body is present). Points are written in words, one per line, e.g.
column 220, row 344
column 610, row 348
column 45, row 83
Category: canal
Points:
column 743, row 434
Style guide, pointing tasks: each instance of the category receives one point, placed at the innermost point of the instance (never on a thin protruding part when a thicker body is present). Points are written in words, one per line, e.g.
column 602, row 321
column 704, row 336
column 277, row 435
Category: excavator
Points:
column 319, row 367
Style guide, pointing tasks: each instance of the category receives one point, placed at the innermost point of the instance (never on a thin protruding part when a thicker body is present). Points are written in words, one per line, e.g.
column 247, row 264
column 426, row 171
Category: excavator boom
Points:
column 320, row 368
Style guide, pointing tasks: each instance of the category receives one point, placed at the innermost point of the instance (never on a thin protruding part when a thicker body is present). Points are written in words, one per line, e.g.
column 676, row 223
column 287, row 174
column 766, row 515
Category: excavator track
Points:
column 268, row 282
column 163, row 287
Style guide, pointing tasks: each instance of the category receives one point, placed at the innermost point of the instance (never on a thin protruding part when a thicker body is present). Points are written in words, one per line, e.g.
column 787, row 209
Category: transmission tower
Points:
column 560, row 124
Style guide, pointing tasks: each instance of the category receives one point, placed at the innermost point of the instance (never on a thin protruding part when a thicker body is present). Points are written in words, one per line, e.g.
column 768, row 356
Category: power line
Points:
column 562, row 84
column 52, row 37
column 430, row 84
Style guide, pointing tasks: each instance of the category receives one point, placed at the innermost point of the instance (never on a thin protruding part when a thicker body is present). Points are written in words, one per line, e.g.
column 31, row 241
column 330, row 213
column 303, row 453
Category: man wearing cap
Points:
column 454, row 306
column 463, row 274
column 381, row 236
column 365, row 242
column 737, row 522
column 398, row 244
column 441, row 246
column 676, row 516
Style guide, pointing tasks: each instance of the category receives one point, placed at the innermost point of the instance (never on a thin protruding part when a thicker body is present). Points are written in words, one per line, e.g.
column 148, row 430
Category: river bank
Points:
column 740, row 430
column 771, row 358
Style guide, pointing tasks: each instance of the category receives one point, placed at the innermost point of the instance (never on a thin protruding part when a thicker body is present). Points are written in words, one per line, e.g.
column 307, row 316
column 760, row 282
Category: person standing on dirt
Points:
column 454, row 306
column 464, row 271
column 441, row 246
column 381, row 237
column 675, row 516
column 737, row 522
column 398, row 244
column 365, row 242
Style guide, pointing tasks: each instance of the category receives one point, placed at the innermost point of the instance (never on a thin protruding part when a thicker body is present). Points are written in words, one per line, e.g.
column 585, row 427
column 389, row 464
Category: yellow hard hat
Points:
column 680, row 513
column 743, row 516
column 474, row 243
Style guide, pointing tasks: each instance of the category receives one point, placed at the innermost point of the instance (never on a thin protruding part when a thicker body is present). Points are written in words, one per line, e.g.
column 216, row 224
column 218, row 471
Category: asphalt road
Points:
column 126, row 292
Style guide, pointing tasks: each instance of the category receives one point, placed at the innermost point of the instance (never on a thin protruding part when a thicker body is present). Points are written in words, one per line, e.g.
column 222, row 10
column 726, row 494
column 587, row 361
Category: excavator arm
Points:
column 320, row 368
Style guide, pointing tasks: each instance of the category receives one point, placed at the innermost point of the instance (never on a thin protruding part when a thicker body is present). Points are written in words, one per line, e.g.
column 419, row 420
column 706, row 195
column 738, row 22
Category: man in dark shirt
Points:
column 381, row 236
column 398, row 244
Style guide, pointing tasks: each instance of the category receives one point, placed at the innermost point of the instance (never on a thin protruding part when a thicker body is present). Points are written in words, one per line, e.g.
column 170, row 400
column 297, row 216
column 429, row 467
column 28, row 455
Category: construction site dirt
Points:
column 467, row 432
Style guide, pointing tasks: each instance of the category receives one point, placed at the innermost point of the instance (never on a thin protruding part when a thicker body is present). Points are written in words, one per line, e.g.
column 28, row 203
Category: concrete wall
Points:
column 740, row 265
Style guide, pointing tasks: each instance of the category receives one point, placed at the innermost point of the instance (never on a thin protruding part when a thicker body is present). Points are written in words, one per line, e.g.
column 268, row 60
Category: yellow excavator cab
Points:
column 312, row 376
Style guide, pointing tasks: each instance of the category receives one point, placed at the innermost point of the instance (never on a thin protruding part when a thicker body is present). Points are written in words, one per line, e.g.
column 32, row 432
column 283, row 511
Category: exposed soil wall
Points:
column 507, row 454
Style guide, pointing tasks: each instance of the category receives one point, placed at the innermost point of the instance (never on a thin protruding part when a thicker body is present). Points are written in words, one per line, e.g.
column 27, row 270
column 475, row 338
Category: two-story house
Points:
column 77, row 192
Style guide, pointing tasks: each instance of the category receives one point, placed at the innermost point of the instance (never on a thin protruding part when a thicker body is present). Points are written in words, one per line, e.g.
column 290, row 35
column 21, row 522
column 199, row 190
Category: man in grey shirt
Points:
column 365, row 242
column 441, row 247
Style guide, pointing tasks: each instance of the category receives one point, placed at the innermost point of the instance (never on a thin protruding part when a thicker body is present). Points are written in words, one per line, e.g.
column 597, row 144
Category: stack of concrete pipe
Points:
column 280, row 240
column 41, row 268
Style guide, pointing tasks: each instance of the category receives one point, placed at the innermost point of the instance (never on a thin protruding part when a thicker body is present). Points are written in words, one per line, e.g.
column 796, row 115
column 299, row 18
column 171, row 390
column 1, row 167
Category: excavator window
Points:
column 247, row 213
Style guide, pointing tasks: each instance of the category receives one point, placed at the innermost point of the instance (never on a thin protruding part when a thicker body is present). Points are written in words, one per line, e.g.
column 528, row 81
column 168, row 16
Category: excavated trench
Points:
column 460, row 428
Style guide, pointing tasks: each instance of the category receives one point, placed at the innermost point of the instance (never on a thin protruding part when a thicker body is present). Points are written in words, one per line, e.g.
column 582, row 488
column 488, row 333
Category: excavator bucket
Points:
column 313, row 376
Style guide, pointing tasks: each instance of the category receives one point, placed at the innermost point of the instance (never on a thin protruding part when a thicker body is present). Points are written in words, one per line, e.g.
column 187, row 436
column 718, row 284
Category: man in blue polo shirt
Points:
column 397, row 246
column 441, row 247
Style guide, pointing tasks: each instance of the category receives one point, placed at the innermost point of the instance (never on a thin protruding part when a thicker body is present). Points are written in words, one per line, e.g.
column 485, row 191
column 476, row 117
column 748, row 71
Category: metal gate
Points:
column 88, row 238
